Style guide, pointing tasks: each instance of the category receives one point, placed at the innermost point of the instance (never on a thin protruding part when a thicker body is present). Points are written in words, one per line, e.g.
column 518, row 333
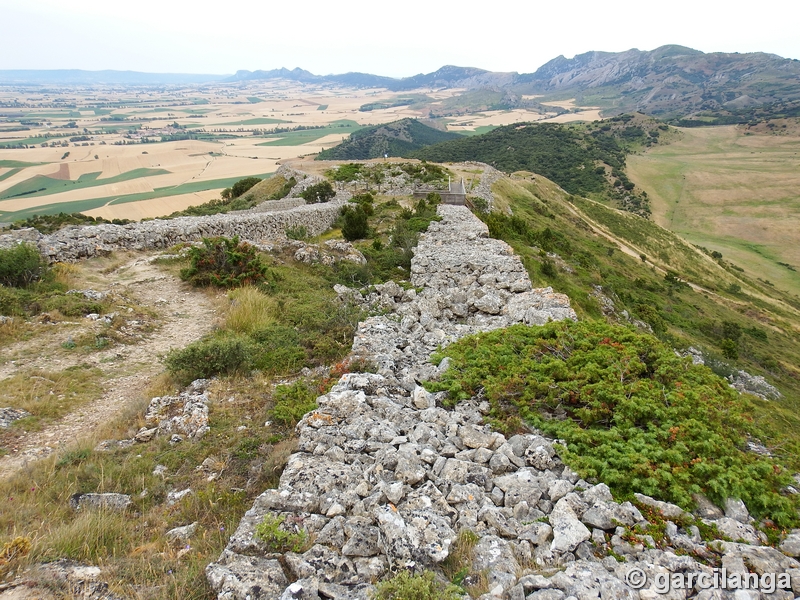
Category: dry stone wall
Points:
column 77, row 242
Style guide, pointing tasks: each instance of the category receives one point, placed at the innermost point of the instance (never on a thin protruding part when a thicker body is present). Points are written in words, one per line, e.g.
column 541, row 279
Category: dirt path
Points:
column 185, row 315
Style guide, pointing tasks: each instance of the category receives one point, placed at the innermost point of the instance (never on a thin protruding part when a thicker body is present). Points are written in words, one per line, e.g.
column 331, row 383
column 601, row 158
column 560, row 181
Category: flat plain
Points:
column 138, row 152
column 734, row 190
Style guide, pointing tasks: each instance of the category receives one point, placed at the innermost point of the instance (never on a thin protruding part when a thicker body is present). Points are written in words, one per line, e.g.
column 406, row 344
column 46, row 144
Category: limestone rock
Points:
column 568, row 531
column 9, row 415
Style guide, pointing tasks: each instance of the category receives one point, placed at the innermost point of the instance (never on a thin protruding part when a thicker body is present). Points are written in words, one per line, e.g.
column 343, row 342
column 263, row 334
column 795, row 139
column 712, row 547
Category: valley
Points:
column 733, row 190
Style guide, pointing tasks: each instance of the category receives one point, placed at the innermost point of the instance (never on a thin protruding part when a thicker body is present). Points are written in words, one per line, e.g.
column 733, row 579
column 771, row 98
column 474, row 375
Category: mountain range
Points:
column 670, row 81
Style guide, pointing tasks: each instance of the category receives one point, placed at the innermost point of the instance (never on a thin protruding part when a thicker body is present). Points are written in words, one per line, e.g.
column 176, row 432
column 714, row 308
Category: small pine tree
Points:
column 354, row 226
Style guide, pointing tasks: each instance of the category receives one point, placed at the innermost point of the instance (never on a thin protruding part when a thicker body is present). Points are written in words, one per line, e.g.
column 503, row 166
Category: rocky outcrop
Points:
column 105, row 501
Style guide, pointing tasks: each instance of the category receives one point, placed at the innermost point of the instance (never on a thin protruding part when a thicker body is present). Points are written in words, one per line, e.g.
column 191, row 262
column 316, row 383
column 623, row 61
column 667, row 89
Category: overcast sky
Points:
column 398, row 38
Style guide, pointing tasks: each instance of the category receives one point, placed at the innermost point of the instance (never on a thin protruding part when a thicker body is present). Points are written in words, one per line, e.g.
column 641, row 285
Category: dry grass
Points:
column 733, row 191
column 136, row 558
column 249, row 310
column 49, row 395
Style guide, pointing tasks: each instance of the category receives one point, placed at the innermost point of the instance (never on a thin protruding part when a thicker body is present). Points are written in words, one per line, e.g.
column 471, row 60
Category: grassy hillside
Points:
column 733, row 190
column 593, row 253
column 395, row 139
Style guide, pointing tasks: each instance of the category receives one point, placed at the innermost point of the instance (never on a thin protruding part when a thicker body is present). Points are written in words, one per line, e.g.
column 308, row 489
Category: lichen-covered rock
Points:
column 106, row 501
column 184, row 414
column 9, row 415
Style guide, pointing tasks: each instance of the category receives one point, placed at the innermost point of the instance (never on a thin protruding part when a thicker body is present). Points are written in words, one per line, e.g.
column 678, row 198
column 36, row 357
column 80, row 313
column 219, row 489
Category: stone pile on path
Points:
column 386, row 479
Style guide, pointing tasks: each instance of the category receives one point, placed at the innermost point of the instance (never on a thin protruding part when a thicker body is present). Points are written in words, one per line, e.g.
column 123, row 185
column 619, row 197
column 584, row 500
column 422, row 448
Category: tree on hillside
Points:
column 319, row 192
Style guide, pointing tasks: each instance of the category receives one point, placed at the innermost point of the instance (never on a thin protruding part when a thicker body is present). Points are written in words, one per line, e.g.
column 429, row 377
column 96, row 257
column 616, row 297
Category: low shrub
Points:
column 229, row 355
column 280, row 349
column 20, row 265
column 292, row 402
column 224, row 262
column 272, row 532
column 634, row 415
column 298, row 232
column 419, row 586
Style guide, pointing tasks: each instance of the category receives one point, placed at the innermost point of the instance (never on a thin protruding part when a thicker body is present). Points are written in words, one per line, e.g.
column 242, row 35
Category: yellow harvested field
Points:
column 200, row 136
column 134, row 186
column 148, row 209
column 583, row 115
column 561, row 103
column 496, row 118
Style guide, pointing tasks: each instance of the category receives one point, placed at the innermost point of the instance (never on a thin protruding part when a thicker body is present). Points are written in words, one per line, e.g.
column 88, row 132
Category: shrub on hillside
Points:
column 239, row 188
column 634, row 415
column 210, row 357
column 20, row 265
column 224, row 262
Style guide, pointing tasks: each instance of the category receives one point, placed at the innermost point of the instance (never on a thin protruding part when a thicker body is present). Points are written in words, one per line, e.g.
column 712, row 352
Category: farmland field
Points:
column 731, row 190
column 149, row 151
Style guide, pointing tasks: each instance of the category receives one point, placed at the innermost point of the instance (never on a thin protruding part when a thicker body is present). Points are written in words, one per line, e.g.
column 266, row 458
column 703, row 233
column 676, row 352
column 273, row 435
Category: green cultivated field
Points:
column 42, row 185
column 84, row 205
column 296, row 138
column 731, row 191
column 259, row 121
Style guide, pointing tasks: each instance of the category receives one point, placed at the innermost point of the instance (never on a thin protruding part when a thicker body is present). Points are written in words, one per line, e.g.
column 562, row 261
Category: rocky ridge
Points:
column 386, row 479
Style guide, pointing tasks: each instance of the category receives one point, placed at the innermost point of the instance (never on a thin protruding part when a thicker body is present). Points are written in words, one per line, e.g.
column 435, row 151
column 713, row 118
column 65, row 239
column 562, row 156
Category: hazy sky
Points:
column 397, row 38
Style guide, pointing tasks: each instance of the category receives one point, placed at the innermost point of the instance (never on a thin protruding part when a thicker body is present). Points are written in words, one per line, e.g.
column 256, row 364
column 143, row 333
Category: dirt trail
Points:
column 185, row 315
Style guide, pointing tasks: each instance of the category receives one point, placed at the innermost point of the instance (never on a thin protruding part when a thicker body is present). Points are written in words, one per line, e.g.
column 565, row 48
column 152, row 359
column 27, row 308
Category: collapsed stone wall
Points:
column 77, row 242
column 274, row 206
column 384, row 477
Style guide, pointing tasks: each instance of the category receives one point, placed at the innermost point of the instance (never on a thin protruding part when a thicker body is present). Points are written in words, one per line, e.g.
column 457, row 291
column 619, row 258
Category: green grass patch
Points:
column 480, row 130
column 296, row 138
column 10, row 173
column 257, row 121
column 322, row 107
column 14, row 164
column 30, row 141
column 726, row 187
column 48, row 395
